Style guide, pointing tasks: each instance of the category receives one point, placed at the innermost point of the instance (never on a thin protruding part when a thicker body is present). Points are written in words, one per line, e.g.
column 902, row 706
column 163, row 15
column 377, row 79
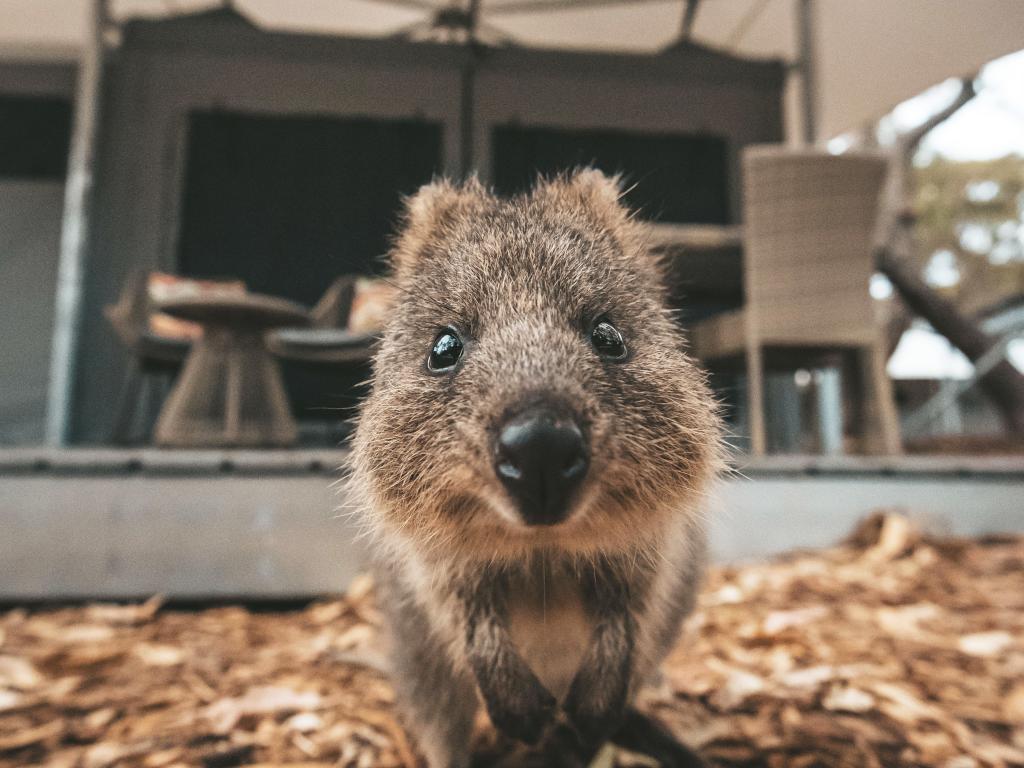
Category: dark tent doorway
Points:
column 679, row 178
column 289, row 203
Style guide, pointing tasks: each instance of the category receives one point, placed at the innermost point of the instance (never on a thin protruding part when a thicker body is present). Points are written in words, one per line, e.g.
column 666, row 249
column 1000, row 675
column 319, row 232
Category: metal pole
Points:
column 943, row 400
column 689, row 17
column 829, row 397
column 806, row 23
column 75, row 231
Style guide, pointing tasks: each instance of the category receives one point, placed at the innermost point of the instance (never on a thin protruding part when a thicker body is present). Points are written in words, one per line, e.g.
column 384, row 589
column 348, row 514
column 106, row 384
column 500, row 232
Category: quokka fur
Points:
column 553, row 628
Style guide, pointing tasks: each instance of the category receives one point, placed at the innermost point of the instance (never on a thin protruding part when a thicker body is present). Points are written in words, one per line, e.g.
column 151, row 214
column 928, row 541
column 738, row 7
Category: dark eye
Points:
column 446, row 351
column 608, row 341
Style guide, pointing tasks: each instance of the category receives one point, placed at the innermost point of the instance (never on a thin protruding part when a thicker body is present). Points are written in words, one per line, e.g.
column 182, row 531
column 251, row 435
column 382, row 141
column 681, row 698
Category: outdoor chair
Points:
column 154, row 359
column 157, row 346
column 328, row 364
column 331, row 338
column 808, row 225
column 331, row 311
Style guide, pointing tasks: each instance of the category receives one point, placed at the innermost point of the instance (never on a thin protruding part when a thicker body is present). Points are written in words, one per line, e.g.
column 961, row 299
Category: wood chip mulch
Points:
column 893, row 649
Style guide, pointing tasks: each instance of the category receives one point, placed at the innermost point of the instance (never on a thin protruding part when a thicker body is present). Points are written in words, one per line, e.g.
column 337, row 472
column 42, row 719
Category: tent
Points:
column 853, row 61
column 870, row 54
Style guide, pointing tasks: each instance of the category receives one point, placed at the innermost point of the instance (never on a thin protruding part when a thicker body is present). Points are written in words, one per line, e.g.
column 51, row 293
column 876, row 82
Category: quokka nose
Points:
column 541, row 458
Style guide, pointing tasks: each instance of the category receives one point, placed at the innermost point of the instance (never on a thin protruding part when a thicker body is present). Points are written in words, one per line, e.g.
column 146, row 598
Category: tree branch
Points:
column 1003, row 384
column 908, row 142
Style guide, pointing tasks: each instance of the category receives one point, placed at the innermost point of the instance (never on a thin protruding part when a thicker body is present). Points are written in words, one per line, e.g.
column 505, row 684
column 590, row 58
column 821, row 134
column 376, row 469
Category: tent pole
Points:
column 808, row 64
column 75, row 230
column 689, row 17
column 467, row 106
column 467, row 117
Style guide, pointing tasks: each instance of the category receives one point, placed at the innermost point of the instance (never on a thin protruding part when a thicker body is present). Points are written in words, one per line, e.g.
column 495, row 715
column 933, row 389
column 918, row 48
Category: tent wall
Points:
column 687, row 91
column 30, row 220
column 31, row 204
column 162, row 73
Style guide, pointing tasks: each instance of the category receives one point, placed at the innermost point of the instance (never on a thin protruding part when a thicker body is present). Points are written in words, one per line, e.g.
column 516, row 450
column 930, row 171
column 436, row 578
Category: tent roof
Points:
column 872, row 53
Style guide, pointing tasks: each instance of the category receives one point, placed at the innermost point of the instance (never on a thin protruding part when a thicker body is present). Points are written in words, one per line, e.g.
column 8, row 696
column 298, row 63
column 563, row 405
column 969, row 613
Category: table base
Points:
column 230, row 394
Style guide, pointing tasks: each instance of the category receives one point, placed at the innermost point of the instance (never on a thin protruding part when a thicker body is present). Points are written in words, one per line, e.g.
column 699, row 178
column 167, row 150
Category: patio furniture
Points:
column 331, row 311
column 330, row 340
column 703, row 267
column 332, row 346
column 808, row 228
column 230, row 392
column 157, row 345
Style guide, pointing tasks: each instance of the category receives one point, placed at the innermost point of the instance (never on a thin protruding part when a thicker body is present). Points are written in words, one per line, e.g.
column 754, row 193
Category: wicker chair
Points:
column 808, row 227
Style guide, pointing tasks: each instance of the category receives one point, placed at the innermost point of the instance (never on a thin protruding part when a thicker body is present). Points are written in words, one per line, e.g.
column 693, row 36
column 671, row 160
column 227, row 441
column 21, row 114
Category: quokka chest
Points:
column 550, row 627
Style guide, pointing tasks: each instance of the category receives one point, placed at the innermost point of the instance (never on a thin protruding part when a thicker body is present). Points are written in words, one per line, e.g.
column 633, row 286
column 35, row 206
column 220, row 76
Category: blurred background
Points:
column 195, row 200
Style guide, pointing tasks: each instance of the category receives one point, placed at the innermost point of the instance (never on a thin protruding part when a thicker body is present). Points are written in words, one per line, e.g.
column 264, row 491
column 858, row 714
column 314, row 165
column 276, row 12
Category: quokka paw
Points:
column 524, row 713
column 595, row 711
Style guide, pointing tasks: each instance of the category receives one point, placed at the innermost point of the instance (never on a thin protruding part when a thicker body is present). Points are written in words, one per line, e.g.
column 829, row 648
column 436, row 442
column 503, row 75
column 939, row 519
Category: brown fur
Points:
column 521, row 279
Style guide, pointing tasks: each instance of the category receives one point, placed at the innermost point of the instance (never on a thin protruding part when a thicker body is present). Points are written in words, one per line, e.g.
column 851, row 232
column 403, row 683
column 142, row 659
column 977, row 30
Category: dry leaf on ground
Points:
column 891, row 650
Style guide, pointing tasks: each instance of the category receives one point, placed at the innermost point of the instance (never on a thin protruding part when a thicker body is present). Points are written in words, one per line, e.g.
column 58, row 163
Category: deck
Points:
column 272, row 525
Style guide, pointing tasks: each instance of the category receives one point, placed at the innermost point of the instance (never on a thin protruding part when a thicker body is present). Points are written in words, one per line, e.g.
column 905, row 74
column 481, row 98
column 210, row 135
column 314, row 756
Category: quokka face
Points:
column 531, row 389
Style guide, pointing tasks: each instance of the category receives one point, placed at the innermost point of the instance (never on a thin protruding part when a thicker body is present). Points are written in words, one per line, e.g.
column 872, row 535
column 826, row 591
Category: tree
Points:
column 895, row 258
column 968, row 217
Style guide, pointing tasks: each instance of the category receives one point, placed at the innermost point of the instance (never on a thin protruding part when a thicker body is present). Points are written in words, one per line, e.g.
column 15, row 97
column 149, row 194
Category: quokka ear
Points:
column 599, row 194
column 599, row 197
column 429, row 211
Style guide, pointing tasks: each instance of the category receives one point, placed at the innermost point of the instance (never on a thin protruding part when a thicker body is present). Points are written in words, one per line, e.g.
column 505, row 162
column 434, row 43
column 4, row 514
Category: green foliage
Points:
column 972, row 215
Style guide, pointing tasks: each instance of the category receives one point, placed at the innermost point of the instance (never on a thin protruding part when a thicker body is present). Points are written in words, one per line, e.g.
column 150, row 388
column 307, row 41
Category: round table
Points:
column 230, row 391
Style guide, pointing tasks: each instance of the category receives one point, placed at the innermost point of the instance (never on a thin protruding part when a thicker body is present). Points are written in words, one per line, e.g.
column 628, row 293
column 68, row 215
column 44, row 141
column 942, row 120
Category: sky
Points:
column 990, row 126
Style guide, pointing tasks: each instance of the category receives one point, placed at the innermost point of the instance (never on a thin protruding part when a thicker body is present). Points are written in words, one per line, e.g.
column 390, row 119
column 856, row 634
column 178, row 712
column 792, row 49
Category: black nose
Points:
column 541, row 459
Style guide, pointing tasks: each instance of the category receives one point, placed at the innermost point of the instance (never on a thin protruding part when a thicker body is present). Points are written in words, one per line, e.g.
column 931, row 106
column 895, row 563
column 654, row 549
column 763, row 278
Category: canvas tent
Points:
column 912, row 45
column 870, row 54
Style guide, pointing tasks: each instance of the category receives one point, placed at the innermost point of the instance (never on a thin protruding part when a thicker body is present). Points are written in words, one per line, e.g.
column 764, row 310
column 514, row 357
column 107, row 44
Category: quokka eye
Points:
column 446, row 351
column 607, row 340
